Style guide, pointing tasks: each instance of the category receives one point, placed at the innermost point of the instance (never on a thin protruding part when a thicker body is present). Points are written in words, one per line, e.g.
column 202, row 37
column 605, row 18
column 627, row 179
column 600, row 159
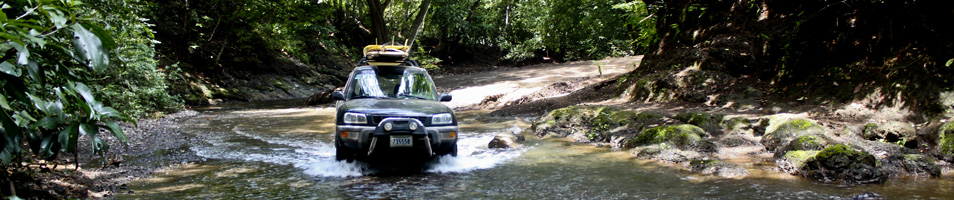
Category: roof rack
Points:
column 386, row 55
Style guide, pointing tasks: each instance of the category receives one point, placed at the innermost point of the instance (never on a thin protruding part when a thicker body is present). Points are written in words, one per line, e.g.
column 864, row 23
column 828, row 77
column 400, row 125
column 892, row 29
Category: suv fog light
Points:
column 388, row 126
column 448, row 135
column 412, row 126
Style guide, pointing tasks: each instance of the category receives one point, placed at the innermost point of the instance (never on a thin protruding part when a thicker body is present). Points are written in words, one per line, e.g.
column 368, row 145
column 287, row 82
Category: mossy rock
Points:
column 566, row 116
column 652, row 88
column 737, row 123
column 895, row 132
column 792, row 161
column 634, row 119
column 712, row 123
column 807, row 142
column 684, row 137
column 734, row 140
column 596, row 122
column 946, row 140
column 665, row 152
column 919, row 164
column 717, row 167
column 839, row 163
column 560, row 121
column 781, row 133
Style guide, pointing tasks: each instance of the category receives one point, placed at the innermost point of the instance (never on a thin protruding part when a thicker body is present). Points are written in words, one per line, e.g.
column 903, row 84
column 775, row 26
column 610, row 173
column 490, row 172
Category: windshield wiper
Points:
column 366, row 97
column 412, row 96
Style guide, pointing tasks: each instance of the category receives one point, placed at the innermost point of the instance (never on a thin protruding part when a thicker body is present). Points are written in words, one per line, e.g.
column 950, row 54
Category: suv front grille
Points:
column 377, row 119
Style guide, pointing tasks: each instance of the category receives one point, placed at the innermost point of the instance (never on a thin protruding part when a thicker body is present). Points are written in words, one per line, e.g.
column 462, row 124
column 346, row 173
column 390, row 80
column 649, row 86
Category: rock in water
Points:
column 323, row 97
column 506, row 140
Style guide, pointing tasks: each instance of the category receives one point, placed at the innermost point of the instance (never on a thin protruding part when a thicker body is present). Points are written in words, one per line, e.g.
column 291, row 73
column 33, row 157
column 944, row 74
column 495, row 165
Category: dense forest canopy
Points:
column 66, row 64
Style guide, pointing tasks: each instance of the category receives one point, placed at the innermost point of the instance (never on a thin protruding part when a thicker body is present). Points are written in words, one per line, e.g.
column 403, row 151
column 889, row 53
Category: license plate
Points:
column 401, row 141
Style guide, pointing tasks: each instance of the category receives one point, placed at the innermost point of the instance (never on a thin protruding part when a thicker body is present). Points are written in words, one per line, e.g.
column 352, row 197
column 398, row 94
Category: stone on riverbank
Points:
column 717, row 167
column 665, row 152
column 919, row 165
column 838, row 163
column 782, row 131
column 685, row 137
column 946, row 141
column 897, row 132
column 594, row 123
column 712, row 123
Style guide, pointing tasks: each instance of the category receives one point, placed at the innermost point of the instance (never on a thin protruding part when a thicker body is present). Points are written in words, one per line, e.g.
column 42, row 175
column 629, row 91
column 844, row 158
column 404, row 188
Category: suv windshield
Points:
column 396, row 82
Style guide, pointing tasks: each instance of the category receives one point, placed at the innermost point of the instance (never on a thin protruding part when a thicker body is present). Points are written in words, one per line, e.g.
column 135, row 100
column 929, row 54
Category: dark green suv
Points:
column 393, row 112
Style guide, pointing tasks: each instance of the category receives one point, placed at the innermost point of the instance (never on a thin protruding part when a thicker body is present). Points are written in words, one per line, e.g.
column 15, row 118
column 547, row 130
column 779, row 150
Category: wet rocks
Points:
column 945, row 143
column 717, row 167
column 782, row 131
column 506, row 140
column 665, row 152
column 684, row 136
column 323, row 97
column 837, row 163
column 594, row 123
column 921, row 165
column 892, row 132
column 712, row 123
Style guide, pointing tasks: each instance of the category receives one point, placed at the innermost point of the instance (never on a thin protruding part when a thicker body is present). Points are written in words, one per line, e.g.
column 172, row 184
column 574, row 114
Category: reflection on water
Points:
column 286, row 152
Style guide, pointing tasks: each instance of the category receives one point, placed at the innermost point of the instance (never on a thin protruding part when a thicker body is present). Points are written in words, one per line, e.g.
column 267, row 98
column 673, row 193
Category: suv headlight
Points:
column 443, row 118
column 355, row 118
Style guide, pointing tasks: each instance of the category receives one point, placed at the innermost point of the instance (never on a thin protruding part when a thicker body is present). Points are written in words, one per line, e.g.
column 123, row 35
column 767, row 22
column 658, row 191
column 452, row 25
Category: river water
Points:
column 278, row 151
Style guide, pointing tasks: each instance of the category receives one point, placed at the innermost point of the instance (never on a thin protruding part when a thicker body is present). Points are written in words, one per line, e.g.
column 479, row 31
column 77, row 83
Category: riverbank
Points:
column 739, row 128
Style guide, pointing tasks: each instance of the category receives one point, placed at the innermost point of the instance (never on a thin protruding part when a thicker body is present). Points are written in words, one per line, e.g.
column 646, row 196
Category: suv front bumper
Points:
column 365, row 141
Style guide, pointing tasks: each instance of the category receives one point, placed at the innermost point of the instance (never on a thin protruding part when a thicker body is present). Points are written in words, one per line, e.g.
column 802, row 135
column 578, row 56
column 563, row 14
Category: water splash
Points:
column 277, row 141
column 473, row 154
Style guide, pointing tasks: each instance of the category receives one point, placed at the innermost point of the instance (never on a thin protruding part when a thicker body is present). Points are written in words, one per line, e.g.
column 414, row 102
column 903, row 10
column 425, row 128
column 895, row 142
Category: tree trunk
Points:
column 418, row 21
column 378, row 26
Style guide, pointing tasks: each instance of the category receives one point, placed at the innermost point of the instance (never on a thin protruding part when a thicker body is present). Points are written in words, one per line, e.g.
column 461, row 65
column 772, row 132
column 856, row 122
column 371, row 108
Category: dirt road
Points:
column 472, row 91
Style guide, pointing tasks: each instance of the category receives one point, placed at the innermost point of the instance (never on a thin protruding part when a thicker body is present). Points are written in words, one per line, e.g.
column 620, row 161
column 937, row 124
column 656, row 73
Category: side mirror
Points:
column 337, row 95
column 445, row 97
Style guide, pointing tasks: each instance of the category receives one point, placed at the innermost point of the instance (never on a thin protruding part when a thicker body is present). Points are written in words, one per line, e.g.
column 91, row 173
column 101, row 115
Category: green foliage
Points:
column 426, row 61
column 133, row 83
column 50, row 48
column 528, row 28
column 600, row 123
column 946, row 138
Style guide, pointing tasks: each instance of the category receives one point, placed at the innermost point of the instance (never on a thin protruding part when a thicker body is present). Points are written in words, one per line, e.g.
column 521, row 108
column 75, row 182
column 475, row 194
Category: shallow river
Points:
column 276, row 151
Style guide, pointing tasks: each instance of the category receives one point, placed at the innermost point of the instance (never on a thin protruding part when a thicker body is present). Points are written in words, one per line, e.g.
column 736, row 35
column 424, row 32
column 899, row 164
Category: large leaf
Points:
column 47, row 146
column 89, row 47
column 103, row 35
column 93, row 132
column 9, row 127
column 35, row 73
column 8, row 68
column 83, row 91
column 9, row 145
column 23, row 53
column 68, row 138
column 4, row 104
column 49, row 123
column 117, row 131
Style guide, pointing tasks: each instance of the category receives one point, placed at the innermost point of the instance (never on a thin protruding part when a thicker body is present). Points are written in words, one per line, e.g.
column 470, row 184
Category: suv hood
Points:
column 402, row 107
